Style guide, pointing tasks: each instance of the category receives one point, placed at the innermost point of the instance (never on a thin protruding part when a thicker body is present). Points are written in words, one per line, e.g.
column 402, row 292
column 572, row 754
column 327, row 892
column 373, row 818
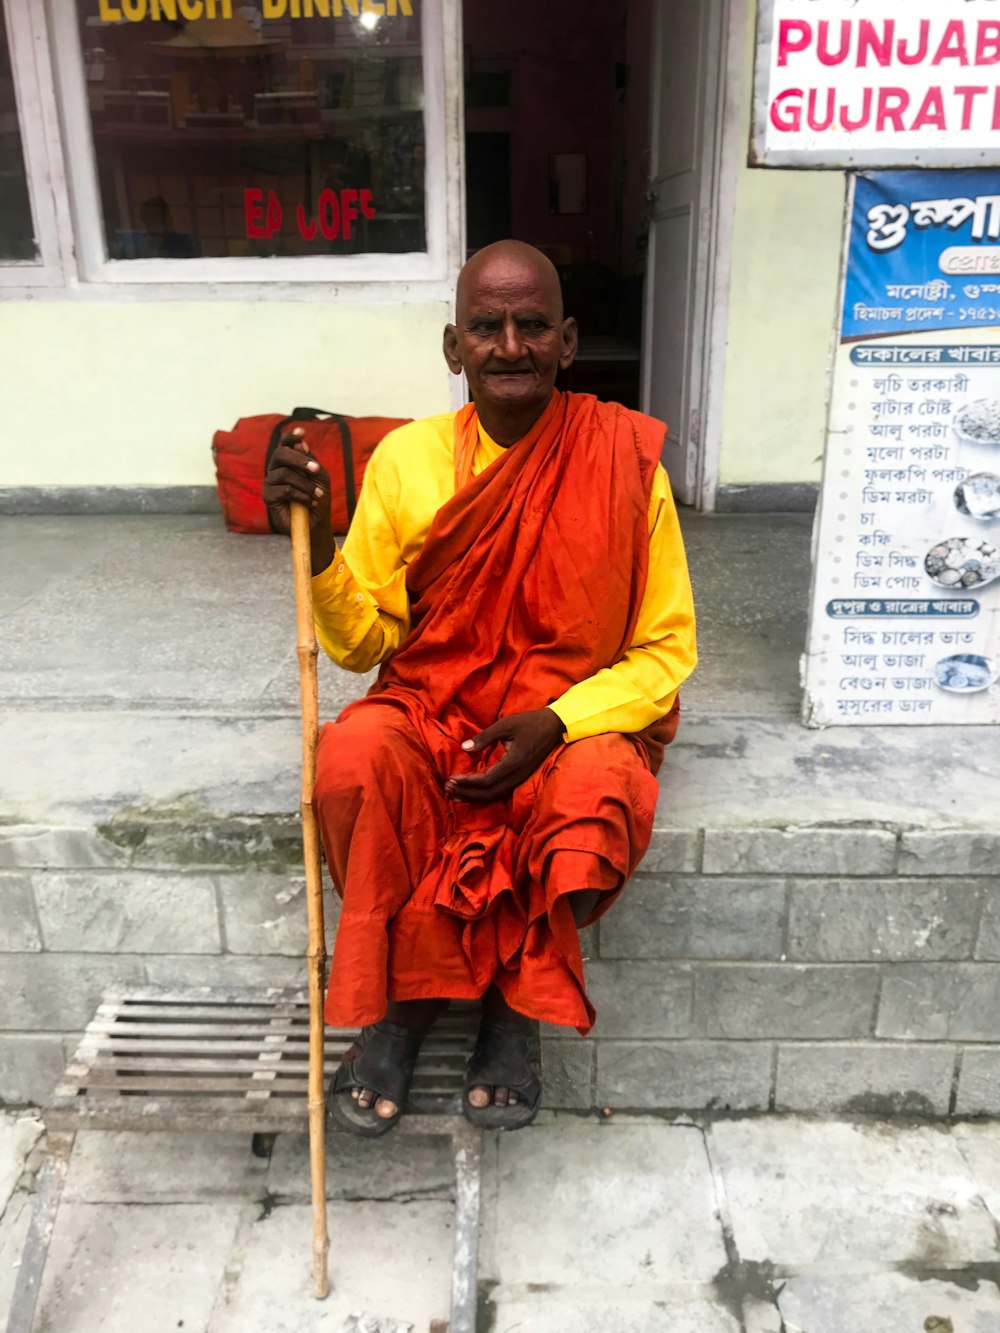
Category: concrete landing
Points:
column 590, row 1225
column 150, row 661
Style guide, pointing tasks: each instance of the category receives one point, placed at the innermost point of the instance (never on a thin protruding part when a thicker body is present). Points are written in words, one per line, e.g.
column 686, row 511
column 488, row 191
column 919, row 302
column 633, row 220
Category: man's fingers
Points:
column 499, row 731
column 284, row 484
column 497, row 772
column 295, row 456
column 496, row 782
column 294, row 439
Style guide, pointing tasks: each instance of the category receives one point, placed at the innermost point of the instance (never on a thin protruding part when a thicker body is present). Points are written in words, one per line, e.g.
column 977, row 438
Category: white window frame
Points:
column 425, row 270
column 38, row 123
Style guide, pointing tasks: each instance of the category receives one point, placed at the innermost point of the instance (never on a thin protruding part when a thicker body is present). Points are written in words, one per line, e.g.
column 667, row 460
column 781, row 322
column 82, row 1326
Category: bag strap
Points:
column 346, row 447
column 347, row 451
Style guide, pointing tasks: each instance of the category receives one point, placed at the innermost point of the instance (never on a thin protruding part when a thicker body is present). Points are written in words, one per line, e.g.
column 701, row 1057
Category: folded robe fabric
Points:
column 529, row 581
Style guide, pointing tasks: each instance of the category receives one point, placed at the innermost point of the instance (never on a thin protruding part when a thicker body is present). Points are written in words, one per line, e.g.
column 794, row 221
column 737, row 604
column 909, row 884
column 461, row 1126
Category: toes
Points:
column 385, row 1109
column 500, row 1097
column 514, row 1098
column 365, row 1098
column 479, row 1097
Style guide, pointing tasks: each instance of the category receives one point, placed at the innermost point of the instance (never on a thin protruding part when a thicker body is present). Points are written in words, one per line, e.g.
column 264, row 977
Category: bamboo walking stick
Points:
column 307, row 650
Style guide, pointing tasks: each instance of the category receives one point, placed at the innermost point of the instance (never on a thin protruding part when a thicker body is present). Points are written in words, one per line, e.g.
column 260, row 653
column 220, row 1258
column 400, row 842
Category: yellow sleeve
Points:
column 640, row 688
column 360, row 603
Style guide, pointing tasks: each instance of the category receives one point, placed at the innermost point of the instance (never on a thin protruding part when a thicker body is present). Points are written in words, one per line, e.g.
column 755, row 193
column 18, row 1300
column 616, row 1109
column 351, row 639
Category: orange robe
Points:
column 530, row 580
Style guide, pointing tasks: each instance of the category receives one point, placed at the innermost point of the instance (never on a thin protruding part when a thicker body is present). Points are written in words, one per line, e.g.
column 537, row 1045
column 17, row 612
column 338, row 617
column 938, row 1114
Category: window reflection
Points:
column 17, row 240
column 255, row 131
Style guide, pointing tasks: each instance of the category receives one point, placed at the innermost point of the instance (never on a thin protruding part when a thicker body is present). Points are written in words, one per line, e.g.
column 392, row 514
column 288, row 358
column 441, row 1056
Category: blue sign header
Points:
column 924, row 253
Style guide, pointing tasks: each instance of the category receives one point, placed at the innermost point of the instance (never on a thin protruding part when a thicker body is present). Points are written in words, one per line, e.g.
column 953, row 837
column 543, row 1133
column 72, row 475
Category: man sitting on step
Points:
column 517, row 570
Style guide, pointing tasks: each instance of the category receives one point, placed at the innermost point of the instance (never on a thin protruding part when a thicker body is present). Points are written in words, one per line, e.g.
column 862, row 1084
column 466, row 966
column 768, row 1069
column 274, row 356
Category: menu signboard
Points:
column 905, row 623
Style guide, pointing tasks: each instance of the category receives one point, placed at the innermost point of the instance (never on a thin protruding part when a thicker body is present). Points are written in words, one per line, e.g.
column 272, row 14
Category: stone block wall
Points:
column 822, row 969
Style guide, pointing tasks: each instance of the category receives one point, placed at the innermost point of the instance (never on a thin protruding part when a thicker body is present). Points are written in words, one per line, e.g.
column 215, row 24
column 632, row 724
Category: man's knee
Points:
column 583, row 761
column 369, row 746
column 597, row 773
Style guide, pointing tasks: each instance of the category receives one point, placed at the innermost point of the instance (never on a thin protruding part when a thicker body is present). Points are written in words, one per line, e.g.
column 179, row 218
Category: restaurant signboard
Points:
column 877, row 83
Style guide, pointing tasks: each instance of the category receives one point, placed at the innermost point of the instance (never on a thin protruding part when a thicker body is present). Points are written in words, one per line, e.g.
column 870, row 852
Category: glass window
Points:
column 283, row 127
column 17, row 239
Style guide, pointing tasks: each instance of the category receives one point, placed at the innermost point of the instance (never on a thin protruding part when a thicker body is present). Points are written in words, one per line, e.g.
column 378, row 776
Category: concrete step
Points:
column 779, row 947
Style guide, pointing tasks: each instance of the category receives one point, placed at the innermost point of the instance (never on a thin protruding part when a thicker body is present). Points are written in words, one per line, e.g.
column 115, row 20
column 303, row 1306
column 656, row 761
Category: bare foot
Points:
column 481, row 1095
column 418, row 1014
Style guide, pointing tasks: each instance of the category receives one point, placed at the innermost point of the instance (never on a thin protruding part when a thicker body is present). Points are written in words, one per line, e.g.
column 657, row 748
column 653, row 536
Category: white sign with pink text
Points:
column 877, row 83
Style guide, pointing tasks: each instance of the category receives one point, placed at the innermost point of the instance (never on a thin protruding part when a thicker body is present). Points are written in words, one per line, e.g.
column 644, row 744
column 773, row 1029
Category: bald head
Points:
column 510, row 337
column 506, row 264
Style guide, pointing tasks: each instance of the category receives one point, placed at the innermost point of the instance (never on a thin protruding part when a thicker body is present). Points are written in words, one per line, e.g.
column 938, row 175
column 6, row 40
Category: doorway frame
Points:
column 724, row 156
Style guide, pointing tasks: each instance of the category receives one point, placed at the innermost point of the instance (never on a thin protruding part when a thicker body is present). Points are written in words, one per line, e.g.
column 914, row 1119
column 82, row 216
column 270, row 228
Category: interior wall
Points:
column 561, row 57
column 638, row 56
column 141, row 386
column 786, row 255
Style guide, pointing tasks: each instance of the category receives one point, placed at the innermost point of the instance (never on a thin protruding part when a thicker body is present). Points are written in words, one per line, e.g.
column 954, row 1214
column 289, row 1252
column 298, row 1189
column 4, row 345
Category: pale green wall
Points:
column 786, row 253
column 128, row 393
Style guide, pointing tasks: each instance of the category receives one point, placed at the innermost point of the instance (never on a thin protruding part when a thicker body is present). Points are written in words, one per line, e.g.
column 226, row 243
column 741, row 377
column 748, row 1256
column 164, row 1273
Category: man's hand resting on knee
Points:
column 529, row 739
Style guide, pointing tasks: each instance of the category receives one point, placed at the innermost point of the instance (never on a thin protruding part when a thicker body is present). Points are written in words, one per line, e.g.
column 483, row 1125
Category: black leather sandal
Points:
column 385, row 1063
column 506, row 1056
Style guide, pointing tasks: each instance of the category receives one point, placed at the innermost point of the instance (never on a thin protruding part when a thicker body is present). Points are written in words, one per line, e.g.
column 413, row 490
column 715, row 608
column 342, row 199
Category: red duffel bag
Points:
column 342, row 444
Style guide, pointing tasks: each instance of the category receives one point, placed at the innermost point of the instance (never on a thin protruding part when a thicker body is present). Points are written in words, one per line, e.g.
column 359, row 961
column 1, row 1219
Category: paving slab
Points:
column 111, row 1167
column 182, row 584
column 979, row 1144
column 750, row 575
column 812, row 1193
column 890, row 1303
column 18, row 1135
column 399, row 1168
column 14, row 1222
column 591, row 1205
column 193, row 576
column 388, row 1260
column 128, row 1268
column 560, row 1312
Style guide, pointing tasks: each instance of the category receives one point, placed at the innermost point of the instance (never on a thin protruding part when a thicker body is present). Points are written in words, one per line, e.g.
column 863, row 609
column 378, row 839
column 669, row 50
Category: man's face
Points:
column 510, row 337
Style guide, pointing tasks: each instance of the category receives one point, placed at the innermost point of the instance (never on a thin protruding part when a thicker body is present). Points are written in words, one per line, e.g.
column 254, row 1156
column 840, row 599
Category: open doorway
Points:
column 606, row 132
column 557, row 123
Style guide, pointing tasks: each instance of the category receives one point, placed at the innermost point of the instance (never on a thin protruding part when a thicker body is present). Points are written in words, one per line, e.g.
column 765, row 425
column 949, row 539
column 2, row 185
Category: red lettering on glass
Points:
column 261, row 225
column 307, row 228
column 253, row 209
column 348, row 210
column 334, row 214
column 329, row 216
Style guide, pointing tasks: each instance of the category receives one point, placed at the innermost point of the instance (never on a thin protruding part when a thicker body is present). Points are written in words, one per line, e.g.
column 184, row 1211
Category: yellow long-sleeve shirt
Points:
column 362, row 610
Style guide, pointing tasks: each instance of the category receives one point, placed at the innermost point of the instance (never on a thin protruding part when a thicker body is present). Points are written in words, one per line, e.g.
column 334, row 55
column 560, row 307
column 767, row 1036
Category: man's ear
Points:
column 451, row 349
column 570, row 340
